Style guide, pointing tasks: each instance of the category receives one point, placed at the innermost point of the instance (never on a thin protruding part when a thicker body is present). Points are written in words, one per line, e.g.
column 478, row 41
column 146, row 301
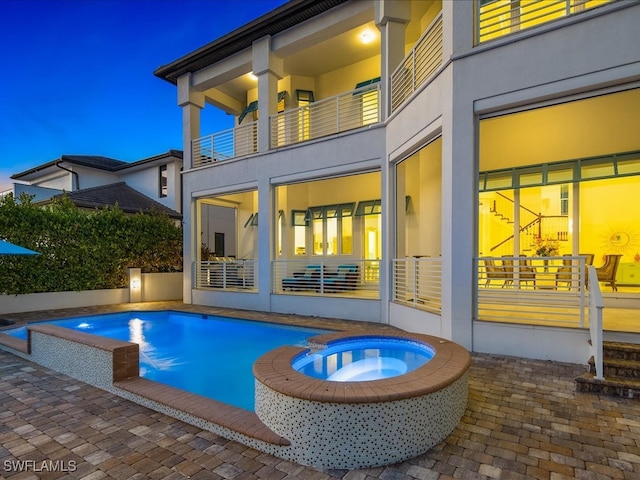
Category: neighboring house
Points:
column 156, row 178
column 384, row 153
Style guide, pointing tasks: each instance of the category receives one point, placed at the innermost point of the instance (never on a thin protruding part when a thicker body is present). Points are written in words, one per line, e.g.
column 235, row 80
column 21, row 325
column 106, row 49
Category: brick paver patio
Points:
column 524, row 421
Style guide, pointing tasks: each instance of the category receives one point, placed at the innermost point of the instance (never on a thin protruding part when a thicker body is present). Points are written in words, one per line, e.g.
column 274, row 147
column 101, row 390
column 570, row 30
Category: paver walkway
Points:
column 524, row 421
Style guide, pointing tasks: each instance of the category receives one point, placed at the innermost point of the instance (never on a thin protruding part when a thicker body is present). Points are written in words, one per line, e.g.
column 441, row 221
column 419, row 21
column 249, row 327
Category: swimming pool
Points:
column 208, row 355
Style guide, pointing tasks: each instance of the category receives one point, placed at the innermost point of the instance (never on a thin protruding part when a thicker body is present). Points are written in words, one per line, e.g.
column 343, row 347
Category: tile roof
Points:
column 96, row 161
column 128, row 199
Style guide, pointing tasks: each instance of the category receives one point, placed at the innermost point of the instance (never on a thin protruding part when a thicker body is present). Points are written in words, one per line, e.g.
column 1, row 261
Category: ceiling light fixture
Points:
column 367, row 37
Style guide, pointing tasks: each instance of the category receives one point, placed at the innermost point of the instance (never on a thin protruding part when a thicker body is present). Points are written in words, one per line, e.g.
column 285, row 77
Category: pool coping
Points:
column 125, row 376
column 449, row 363
column 228, row 421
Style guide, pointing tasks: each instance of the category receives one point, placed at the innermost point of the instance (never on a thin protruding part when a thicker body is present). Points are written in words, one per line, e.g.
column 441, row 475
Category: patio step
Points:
column 621, row 365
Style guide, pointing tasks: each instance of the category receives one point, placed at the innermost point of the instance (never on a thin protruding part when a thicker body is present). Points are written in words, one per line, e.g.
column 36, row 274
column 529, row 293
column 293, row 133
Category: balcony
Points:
column 347, row 111
column 419, row 65
column 232, row 143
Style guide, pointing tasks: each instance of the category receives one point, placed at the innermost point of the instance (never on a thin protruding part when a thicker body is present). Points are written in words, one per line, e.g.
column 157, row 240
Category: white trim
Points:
column 430, row 133
column 345, row 170
column 625, row 77
column 226, row 189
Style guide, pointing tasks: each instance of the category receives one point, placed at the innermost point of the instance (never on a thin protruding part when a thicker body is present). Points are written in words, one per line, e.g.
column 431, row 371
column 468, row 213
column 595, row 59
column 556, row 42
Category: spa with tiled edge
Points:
column 358, row 424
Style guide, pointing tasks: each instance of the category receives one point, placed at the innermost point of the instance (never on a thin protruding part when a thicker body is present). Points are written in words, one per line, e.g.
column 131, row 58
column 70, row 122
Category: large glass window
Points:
column 563, row 176
column 332, row 227
column 419, row 203
column 327, row 217
column 231, row 217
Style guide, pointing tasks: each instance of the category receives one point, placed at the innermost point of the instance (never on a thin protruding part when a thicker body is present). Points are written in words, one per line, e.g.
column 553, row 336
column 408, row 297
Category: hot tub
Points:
column 357, row 401
column 363, row 359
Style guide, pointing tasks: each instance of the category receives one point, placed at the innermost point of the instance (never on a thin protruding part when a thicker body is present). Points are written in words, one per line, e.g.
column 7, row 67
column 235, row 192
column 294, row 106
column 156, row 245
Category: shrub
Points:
column 80, row 249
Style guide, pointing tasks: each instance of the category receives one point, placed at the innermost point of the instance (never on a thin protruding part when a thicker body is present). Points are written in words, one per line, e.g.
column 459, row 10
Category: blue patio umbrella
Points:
column 8, row 248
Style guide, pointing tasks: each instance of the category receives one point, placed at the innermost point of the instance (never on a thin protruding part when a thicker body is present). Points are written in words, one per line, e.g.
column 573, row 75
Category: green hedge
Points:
column 80, row 249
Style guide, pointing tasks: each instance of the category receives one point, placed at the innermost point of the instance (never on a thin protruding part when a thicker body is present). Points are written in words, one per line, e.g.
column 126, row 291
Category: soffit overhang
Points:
column 278, row 20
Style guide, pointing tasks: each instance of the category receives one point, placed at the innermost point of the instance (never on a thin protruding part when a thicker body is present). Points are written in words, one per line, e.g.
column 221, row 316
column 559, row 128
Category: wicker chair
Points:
column 607, row 272
column 493, row 271
column 525, row 271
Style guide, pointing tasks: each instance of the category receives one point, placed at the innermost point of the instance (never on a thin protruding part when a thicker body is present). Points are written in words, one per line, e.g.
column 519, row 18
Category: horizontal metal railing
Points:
column 335, row 277
column 533, row 290
column 328, row 116
column 228, row 274
column 417, row 282
column 231, row 143
column 419, row 65
column 502, row 17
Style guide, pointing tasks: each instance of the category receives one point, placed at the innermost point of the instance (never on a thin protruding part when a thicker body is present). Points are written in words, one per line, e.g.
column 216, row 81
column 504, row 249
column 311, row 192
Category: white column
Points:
column 459, row 191
column 391, row 19
column 268, row 68
column 191, row 102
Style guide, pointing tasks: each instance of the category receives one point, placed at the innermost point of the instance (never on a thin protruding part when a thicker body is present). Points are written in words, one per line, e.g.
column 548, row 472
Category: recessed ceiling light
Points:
column 252, row 76
column 367, row 36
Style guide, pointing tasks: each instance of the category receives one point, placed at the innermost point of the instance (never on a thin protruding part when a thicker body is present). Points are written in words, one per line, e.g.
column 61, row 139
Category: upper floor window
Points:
column 496, row 18
column 163, row 189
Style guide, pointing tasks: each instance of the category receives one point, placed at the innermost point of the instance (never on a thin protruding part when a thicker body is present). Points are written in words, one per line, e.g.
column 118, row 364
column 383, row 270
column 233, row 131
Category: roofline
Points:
column 278, row 20
column 63, row 158
column 125, row 165
column 171, row 153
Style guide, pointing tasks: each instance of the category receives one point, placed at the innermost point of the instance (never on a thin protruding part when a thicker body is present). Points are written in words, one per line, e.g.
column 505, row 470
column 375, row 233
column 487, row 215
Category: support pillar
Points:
column 391, row 18
column 268, row 68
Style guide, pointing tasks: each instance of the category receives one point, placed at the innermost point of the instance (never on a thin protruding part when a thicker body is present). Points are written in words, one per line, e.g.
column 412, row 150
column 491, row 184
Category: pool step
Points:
column 621, row 371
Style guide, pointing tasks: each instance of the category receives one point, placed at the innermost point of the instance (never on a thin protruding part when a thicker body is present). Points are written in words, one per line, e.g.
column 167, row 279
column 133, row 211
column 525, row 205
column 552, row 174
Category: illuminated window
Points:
column 164, row 181
column 299, row 223
column 564, row 199
column 497, row 18
column 331, row 229
column 305, row 98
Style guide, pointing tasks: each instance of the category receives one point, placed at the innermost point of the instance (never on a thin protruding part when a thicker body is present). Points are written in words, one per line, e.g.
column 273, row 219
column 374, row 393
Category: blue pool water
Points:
column 208, row 355
column 363, row 359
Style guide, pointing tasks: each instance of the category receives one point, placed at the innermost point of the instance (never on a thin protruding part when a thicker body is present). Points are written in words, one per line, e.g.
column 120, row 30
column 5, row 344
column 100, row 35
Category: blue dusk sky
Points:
column 78, row 75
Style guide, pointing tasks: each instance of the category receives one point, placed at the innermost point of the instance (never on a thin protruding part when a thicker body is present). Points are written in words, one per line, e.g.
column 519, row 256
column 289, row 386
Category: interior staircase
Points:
column 621, row 372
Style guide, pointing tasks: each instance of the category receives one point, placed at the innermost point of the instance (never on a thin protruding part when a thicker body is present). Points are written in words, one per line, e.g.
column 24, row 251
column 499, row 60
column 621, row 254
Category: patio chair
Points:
column 527, row 272
column 564, row 274
column 493, row 271
column 309, row 279
column 345, row 279
column 607, row 272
